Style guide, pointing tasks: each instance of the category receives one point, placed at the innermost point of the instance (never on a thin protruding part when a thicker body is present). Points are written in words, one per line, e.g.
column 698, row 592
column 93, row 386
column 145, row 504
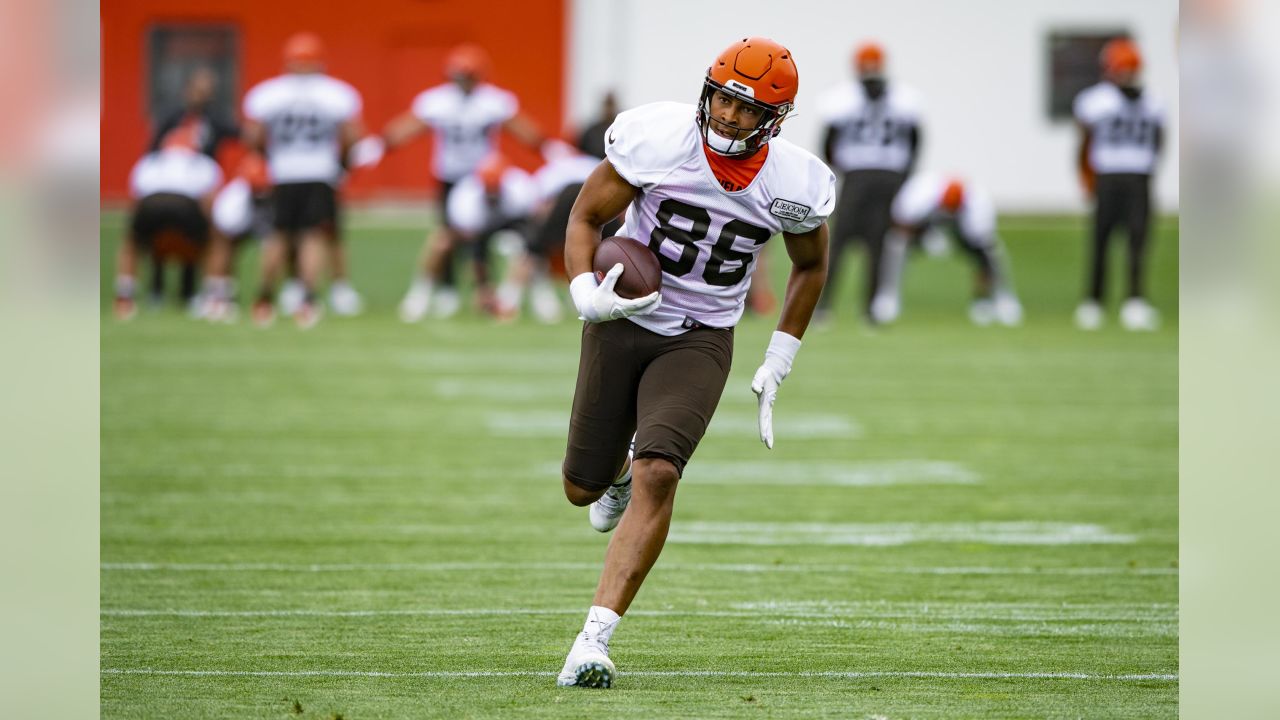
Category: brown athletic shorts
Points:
column 630, row 380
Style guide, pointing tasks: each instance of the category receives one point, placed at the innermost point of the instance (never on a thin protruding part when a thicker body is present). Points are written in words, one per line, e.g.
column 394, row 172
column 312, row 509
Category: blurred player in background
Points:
column 194, row 115
column 927, row 201
column 241, row 211
column 1121, row 133
column 558, row 183
column 305, row 122
column 706, row 187
column 591, row 139
column 465, row 116
column 497, row 197
column 197, row 113
column 873, row 140
column 172, row 189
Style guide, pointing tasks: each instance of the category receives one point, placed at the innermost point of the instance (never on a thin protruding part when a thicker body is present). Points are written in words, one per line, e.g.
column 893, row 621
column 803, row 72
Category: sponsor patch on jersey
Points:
column 788, row 210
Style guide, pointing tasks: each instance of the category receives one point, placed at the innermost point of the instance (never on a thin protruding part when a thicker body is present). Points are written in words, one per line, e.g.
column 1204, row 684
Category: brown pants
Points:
column 630, row 380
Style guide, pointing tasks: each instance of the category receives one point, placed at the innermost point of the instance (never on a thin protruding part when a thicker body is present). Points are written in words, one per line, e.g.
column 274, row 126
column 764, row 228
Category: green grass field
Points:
column 365, row 520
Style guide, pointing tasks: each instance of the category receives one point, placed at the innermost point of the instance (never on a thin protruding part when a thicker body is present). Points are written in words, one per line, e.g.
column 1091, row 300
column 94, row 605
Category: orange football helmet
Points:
column 1120, row 57
column 467, row 60
column 868, row 59
column 756, row 71
column 491, row 170
column 952, row 195
column 303, row 48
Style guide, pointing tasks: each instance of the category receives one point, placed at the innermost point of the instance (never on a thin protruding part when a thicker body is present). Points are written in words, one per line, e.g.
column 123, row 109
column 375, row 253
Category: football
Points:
column 641, row 273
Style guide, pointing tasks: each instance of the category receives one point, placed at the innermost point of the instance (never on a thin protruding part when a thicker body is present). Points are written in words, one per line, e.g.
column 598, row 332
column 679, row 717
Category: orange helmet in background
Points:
column 1120, row 57
column 468, row 60
column 491, row 171
column 304, row 48
column 756, row 71
column 952, row 195
column 868, row 59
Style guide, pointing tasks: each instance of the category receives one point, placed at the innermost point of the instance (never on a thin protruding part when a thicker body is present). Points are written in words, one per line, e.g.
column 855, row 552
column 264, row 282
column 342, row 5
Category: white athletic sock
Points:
column 125, row 286
column 421, row 284
column 600, row 623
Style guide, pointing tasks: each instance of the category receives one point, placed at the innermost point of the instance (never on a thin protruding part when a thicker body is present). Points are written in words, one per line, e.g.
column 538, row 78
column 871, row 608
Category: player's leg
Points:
column 125, row 306
column 1137, row 313
column 677, row 395
column 882, row 187
column 343, row 297
column 886, row 306
column 604, row 411
column 1108, row 206
column 313, row 253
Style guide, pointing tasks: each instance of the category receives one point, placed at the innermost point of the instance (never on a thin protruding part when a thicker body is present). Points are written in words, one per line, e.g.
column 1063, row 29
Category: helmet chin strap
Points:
column 724, row 145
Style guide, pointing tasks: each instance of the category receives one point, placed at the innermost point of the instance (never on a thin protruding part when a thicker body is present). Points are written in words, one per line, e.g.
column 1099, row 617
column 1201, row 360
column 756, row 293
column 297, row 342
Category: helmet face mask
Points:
column 755, row 72
column 744, row 141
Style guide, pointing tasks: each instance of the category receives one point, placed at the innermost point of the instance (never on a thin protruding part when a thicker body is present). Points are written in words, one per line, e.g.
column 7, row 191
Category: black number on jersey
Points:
column 722, row 252
column 876, row 131
column 1130, row 130
column 295, row 127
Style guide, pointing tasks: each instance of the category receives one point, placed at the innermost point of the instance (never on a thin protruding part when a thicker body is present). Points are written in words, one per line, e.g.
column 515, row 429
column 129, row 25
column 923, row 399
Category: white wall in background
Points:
column 980, row 65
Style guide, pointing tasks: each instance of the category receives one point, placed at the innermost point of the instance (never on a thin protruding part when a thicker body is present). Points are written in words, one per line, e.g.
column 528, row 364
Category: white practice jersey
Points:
column 706, row 238
column 465, row 125
column 919, row 203
column 470, row 211
column 302, row 113
column 563, row 172
column 178, row 171
column 1124, row 131
column 870, row 134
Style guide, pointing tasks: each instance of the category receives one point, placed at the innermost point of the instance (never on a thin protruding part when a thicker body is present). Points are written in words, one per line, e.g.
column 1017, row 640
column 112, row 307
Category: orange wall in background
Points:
column 388, row 49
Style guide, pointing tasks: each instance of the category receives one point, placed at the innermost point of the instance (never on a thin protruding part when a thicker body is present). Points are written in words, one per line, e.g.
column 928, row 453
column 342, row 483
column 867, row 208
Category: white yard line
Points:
column 894, row 534
column 970, row 612
column 834, row 675
column 748, row 568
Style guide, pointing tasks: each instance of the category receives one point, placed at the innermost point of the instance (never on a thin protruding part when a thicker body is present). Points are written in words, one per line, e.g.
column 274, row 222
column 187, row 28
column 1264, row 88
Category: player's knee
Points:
column 578, row 495
column 655, row 477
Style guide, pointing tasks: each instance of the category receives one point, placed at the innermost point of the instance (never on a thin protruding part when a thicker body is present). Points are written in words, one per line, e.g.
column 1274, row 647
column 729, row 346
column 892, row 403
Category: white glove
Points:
column 366, row 151
column 597, row 302
column 777, row 364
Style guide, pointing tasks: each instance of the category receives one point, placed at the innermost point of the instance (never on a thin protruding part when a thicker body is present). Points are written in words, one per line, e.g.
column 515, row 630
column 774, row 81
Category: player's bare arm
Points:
column 524, row 130
column 254, row 136
column 808, row 253
column 402, row 129
column 603, row 197
column 1082, row 160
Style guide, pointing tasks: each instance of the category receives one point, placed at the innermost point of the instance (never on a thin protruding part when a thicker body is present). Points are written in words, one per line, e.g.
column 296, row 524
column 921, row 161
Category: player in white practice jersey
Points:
column 172, row 190
column 305, row 122
column 705, row 187
column 873, row 139
column 558, row 183
column 465, row 116
column 929, row 200
column 497, row 197
column 1121, row 133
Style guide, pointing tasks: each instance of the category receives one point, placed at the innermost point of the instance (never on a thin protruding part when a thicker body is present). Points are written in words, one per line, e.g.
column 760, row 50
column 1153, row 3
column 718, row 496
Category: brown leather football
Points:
column 641, row 273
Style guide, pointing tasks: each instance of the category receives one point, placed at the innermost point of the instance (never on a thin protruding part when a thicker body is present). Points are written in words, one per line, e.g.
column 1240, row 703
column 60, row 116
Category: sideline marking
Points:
column 836, row 675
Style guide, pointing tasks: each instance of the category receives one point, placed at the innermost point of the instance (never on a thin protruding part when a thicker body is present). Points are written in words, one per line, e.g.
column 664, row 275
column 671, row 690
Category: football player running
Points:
column 929, row 200
column 1121, row 133
column 705, row 187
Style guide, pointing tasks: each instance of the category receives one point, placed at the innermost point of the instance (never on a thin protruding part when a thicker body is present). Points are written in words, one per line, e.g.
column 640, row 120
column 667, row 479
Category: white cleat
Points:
column 415, row 305
column 885, row 309
column 546, row 305
column 1137, row 315
column 607, row 510
column 982, row 312
column 1008, row 310
column 1089, row 315
column 588, row 665
column 344, row 300
column 448, row 303
column 291, row 297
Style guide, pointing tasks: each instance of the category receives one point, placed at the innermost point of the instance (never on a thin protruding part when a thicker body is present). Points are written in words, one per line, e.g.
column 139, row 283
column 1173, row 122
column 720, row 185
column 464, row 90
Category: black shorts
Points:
column 305, row 206
column 1123, row 199
column 865, row 205
column 171, row 226
column 662, row 389
column 549, row 237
